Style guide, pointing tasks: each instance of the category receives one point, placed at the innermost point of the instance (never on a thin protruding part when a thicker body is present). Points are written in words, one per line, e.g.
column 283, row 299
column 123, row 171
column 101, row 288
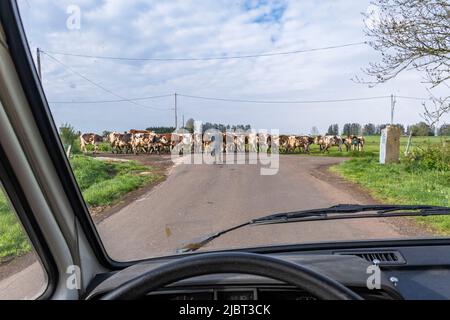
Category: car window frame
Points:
column 23, row 212
column 22, row 58
column 28, row 76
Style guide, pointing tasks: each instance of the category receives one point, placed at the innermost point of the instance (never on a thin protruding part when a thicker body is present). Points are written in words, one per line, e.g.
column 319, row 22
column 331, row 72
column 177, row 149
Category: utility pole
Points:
column 393, row 102
column 38, row 60
column 183, row 121
column 176, row 111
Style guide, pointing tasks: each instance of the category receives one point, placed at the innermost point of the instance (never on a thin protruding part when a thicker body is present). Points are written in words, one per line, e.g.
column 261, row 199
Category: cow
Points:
column 291, row 144
column 265, row 142
column 239, row 141
column 134, row 131
column 252, row 142
column 140, row 142
column 228, row 142
column 90, row 139
column 326, row 142
column 121, row 142
column 354, row 142
column 158, row 143
column 182, row 142
column 304, row 142
column 166, row 142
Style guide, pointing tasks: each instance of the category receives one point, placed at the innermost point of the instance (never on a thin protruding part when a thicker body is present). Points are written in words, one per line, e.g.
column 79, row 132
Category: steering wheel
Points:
column 319, row 285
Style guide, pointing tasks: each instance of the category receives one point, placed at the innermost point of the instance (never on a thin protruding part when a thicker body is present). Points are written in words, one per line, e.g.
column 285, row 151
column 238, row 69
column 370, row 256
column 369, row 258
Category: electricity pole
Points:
column 38, row 60
column 393, row 102
column 176, row 111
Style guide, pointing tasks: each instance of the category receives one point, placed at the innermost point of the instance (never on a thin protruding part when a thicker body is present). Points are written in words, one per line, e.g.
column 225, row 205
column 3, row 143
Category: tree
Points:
column 314, row 131
column 189, row 126
column 161, row 130
column 421, row 129
column 352, row 129
column 69, row 136
column 347, row 131
column 330, row 130
column 369, row 129
column 106, row 133
column 444, row 130
column 433, row 114
column 333, row 130
column 356, row 129
column 412, row 34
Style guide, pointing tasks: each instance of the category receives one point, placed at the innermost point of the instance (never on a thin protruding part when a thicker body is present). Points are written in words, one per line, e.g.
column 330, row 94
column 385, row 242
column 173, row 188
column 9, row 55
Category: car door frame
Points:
column 37, row 173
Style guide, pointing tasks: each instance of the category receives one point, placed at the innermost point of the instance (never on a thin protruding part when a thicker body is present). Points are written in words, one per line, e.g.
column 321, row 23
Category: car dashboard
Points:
column 412, row 272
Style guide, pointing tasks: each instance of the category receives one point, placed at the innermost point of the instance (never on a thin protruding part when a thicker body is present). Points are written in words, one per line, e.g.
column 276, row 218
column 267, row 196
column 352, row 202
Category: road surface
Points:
column 199, row 199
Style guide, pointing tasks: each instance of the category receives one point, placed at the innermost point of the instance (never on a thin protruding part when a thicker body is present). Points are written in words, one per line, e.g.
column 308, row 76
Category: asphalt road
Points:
column 199, row 199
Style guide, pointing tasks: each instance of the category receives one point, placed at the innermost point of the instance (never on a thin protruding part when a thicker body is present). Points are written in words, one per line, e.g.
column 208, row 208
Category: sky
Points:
column 211, row 28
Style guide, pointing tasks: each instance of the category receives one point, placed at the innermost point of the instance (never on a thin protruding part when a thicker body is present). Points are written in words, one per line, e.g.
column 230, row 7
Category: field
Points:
column 421, row 178
column 101, row 182
column 372, row 147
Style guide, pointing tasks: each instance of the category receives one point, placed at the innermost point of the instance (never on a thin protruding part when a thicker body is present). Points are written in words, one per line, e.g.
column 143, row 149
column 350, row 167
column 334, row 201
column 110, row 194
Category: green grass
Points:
column 104, row 182
column 402, row 184
column 101, row 182
column 13, row 241
column 372, row 147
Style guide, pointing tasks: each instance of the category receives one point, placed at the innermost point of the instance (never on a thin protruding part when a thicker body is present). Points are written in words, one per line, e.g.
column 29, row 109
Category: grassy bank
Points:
column 13, row 241
column 372, row 147
column 422, row 178
column 101, row 182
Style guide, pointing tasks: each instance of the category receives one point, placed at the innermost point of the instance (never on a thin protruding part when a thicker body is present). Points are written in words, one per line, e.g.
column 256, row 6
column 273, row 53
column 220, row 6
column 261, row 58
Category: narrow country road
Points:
column 196, row 200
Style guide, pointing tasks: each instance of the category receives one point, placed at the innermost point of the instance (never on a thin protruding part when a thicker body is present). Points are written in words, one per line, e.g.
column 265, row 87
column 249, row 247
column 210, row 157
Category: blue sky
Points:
column 193, row 28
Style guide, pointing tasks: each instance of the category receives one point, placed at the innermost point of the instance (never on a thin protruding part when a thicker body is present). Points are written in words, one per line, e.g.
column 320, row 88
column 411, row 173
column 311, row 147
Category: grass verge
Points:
column 401, row 184
column 101, row 182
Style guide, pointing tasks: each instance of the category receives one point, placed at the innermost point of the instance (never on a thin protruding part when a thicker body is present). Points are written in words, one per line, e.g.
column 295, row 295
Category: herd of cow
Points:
column 142, row 141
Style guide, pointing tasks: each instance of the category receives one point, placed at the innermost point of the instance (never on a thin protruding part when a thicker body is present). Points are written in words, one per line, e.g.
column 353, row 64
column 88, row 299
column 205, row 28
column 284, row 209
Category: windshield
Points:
column 185, row 118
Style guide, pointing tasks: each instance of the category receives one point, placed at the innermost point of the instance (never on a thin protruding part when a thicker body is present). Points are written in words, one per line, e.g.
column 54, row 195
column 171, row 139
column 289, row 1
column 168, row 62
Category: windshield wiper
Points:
column 342, row 211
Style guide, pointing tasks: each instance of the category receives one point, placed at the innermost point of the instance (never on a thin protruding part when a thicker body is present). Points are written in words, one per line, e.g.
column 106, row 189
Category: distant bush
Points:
column 429, row 157
column 70, row 137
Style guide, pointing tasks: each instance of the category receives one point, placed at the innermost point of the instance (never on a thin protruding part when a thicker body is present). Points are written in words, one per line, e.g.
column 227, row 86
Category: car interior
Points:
column 37, row 178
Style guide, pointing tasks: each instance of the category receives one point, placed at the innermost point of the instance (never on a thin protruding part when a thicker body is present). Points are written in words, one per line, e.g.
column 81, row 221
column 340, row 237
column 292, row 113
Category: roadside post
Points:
column 390, row 145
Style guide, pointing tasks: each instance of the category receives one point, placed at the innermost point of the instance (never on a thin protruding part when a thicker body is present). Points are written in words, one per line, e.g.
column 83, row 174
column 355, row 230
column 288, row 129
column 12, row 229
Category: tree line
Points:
column 371, row 129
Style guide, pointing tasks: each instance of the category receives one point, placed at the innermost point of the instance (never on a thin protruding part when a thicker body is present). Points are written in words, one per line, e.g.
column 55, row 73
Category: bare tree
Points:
column 410, row 34
column 433, row 114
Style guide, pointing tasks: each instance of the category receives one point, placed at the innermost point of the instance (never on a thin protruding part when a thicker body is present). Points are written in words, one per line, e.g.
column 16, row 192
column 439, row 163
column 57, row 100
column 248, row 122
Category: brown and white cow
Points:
column 354, row 143
column 326, row 142
column 121, row 142
column 90, row 139
column 304, row 142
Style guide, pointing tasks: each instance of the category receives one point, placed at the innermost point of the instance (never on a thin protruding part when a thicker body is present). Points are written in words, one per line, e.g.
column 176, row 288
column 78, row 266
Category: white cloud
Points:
column 190, row 28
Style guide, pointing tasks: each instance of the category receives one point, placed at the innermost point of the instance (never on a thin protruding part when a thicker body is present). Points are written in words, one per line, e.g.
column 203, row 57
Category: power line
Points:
column 235, row 100
column 109, row 101
column 248, row 56
column 285, row 101
column 411, row 98
column 100, row 86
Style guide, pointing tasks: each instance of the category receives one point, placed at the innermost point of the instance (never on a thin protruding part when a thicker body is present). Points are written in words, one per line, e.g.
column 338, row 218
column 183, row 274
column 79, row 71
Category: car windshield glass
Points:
column 182, row 119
